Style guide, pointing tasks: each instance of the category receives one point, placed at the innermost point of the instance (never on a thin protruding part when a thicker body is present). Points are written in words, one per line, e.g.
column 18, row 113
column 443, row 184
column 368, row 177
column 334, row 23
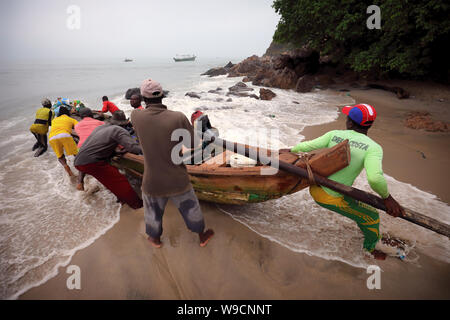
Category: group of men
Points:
column 153, row 127
column 165, row 180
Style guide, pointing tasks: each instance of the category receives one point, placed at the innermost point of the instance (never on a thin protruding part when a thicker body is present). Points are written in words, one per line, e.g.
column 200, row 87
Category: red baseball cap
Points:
column 195, row 115
column 363, row 114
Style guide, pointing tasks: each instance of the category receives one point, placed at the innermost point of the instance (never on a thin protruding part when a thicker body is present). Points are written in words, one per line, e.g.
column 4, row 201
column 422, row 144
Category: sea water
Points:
column 44, row 220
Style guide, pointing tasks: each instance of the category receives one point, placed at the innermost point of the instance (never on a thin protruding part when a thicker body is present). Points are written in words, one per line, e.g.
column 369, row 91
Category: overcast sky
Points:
column 110, row 29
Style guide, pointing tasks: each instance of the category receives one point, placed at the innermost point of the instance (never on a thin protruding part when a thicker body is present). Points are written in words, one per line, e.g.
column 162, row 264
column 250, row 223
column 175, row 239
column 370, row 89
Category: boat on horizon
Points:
column 184, row 57
column 127, row 60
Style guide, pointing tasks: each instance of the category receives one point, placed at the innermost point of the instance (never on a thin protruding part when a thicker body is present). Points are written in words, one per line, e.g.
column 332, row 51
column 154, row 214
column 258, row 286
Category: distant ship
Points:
column 127, row 60
column 184, row 57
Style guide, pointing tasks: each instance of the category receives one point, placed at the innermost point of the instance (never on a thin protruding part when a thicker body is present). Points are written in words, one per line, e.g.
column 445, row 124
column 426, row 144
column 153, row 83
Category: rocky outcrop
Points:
column 242, row 94
column 266, row 94
column 215, row 72
column 305, row 83
column 250, row 66
column 215, row 91
column 218, row 71
column 422, row 120
column 278, row 70
column 229, row 65
column 279, row 48
column 287, row 66
column 193, row 95
column 131, row 92
column 283, row 79
column 240, row 87
column 301, row 69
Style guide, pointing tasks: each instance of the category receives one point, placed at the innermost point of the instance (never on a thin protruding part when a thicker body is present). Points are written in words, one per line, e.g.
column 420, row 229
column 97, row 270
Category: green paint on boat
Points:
column 256, row 197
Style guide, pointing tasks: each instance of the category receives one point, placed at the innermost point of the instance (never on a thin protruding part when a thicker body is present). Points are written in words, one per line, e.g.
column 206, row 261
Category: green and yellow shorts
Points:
column 365, row 216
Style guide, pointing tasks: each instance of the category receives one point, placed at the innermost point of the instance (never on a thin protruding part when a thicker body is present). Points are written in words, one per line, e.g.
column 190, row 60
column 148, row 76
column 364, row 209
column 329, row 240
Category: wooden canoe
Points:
column 216, row 181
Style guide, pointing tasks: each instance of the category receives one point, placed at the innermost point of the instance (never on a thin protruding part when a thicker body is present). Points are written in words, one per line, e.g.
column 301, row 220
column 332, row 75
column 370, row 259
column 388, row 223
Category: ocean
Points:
column 44, row 220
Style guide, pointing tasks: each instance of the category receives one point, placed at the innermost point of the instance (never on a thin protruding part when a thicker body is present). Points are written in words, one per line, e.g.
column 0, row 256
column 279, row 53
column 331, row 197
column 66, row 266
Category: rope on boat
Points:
column 305, row 157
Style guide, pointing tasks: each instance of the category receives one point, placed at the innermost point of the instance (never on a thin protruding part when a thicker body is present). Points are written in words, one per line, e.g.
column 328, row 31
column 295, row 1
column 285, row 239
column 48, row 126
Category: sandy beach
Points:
column 240, row 264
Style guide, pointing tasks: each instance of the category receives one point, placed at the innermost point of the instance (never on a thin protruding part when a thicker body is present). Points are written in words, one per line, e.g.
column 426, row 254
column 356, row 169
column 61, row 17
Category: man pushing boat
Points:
column 40, row 126
column 164, row 179
column 365, row 153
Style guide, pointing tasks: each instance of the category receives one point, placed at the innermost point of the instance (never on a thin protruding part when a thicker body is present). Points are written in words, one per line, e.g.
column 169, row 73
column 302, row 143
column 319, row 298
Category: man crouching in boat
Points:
column 365, row 153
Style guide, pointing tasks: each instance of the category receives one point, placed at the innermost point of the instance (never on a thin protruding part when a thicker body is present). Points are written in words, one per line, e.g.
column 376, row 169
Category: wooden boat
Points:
column 214, row 180
column 184, row 57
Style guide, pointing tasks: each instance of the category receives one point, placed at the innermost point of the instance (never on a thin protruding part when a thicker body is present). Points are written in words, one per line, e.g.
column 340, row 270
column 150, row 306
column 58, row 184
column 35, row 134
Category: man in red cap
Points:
column 365, row 153
column 163, row 178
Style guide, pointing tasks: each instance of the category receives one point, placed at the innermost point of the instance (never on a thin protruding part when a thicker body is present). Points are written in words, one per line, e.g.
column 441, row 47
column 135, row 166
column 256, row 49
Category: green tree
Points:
column 412, row 41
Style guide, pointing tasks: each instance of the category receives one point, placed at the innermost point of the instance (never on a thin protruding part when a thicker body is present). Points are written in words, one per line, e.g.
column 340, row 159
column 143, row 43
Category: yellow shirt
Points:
column 62, row 124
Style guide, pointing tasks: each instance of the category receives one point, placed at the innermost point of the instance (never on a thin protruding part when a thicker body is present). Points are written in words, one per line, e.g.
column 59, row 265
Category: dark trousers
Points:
column 112, row 179
column 188, row 205
column 41, row 140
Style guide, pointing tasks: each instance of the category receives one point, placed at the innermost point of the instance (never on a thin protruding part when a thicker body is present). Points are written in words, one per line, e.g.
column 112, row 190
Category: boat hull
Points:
column 228, row 185
column 184, row 59
column 245, row 189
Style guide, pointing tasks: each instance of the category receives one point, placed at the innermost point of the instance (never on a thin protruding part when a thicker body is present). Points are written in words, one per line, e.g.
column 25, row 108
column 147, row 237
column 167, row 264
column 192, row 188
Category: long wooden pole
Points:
column 360, row 195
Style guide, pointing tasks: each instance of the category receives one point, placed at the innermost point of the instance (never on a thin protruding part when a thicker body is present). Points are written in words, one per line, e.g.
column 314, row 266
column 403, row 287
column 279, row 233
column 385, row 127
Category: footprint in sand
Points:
column 92, row 190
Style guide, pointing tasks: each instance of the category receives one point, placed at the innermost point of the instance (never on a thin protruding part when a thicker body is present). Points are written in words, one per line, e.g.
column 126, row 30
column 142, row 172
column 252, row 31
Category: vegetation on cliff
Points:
column 412, row 41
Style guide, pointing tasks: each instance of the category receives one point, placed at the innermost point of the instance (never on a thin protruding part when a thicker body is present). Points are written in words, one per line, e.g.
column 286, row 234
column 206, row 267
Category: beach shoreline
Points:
column 240, row 264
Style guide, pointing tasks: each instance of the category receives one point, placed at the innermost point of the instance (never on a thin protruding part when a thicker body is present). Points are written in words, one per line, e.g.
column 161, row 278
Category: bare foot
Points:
column 69, row 172
column 205, row 237
column 36, row 145
column 155, row 242
column 80, row 187
column 378, row 255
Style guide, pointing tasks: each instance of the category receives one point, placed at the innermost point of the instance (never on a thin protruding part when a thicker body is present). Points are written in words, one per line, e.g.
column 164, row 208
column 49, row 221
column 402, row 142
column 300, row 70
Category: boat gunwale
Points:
column 212, row 170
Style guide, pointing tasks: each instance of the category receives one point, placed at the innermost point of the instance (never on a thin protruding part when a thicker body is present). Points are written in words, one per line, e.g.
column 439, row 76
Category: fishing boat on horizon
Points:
column 184, row 57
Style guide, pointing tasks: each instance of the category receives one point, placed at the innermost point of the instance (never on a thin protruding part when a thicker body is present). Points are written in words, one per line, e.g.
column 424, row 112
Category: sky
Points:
column 46, row 30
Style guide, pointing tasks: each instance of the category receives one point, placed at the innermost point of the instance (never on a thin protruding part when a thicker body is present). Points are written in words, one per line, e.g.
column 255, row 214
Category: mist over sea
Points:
column 44, row 220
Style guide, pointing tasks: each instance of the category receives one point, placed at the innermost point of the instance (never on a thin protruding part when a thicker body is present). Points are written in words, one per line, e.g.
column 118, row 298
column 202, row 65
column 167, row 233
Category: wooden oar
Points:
column 370, row 199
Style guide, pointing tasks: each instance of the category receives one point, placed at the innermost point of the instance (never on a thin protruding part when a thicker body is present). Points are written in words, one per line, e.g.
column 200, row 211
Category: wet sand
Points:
column 240, row 264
